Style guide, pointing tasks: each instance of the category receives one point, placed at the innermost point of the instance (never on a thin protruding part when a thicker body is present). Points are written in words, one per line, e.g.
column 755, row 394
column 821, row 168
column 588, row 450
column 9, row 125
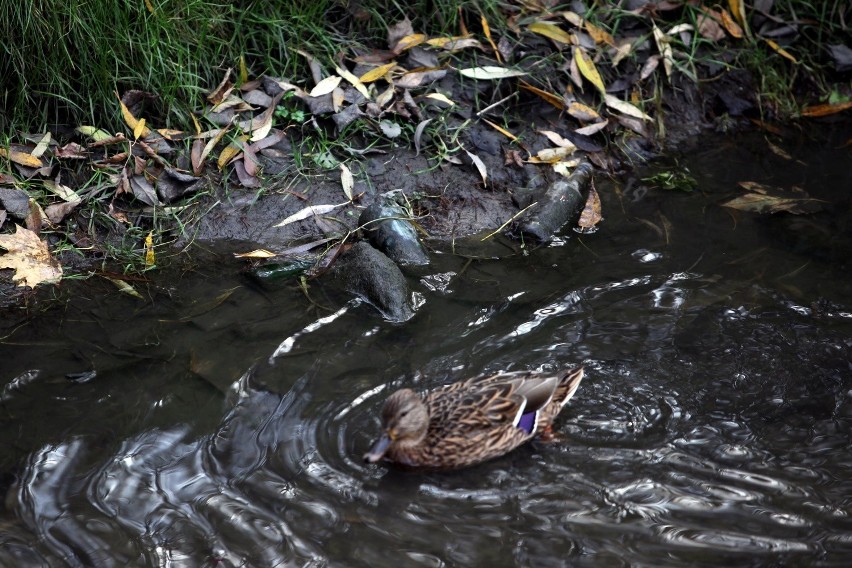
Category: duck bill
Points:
column 379, row 449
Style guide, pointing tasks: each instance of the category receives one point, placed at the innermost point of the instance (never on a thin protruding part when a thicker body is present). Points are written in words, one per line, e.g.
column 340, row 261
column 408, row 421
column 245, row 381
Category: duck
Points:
column 468, row 422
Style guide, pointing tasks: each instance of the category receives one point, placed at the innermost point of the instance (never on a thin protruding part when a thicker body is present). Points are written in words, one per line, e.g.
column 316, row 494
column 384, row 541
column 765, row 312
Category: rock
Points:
column 376, row 279
column 15, row 201
column 389, row 230
column 562, row 202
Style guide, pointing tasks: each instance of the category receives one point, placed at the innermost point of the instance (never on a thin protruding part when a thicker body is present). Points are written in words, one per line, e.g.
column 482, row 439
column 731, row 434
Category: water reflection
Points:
column 713, row 426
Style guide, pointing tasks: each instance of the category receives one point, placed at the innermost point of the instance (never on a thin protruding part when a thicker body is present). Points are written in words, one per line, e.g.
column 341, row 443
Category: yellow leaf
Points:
column 553, row 99
column 243, row 70
column 730, row 25
column 486, row 29
column 256, row 253
column 150, row 259
column 599, row 34
column 96, row 134
column 665, row 49
column 21, row 158
column 501, row 130
column 738, row 10
column 551, row 155
column 30, row 258
column 131, row 120
column 826, row 109
column 551, row 31
column 780, row 50
column 354, row 81
column 377, row 73
column 591, row 214
column 149, row 6
column 140, row 128
column 583, row 113
column 231, row 150
column 443, row 41
column 408, row 42
column 588, row 69
column 125, row 288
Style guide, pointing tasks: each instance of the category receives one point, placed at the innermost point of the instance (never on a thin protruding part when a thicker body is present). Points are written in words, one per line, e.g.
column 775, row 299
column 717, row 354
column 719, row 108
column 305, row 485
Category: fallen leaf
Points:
column 730, row 25
column 551, row 155
column 551, row 31
column 588, row 70
column 738, row 10
column 63, row 191
column 144, row 191
column 557, row 139
column 347, row 181
column 256, row 253
column 354, row 81
column 582, row 112
column 21, row 158
column 408, row 42
column 221, row 92
column 501, row 130
column 35, row 218
column 490, row 72
column 207, row 149
column 624, row 107
column 665, row 49
column 30, row 258
column 377, row 72
column 150, row 258
column 551, row 98
column 96, row 134
column 124, row 287
column 325, row 86
column 480, row 166
column 399, row 30
column 418, row 133
column 592, row 128
column 440, row 97
column 230, row 151
column 826, row 109
column 486, row 29
column 591, row 214
column 599, row 34
column 622, row 51
column 42, row 146
column 308, row 212
column 131, row 120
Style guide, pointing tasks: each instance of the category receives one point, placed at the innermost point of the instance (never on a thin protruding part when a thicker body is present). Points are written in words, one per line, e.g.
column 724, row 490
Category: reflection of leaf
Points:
column 308, row 212
column 490, row 72
column 762, row 203
column 29, row 257
column 588, row 69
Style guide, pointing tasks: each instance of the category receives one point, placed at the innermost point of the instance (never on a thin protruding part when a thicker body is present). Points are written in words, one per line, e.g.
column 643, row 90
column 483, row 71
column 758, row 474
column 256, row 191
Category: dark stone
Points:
column 389, row 230
column 376, row 279
column 15, row 201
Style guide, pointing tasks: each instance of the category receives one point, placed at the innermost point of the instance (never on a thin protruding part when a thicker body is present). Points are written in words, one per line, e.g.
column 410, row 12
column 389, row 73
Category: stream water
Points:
column 219, row 423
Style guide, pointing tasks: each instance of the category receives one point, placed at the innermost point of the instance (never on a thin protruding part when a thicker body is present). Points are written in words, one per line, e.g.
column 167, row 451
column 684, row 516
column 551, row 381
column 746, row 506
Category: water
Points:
column 220, row 424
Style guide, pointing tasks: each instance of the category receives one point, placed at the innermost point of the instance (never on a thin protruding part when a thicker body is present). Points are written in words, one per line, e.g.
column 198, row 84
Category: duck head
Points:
column 405, row 420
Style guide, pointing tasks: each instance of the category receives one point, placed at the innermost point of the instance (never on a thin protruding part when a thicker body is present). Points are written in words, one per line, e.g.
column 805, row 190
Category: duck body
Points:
column 468, row 422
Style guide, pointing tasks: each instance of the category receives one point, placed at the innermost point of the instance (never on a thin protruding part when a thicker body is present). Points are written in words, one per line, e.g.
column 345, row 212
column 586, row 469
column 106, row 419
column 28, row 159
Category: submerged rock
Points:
column 387, row 227
column 376, row 279
column 562, row 202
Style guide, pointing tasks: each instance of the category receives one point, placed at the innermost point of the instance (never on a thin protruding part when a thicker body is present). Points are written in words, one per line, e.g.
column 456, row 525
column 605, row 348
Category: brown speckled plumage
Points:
column 471, row 421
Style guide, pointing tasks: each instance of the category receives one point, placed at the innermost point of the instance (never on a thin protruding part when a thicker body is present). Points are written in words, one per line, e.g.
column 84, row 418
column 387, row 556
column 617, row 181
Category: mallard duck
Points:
column 471, row 421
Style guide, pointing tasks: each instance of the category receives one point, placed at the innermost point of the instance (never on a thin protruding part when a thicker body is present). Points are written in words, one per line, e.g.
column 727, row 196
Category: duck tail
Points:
column 569, row 380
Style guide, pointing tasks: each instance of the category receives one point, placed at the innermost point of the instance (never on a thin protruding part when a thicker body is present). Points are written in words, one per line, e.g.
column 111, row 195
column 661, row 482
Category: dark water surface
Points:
column 223, row 424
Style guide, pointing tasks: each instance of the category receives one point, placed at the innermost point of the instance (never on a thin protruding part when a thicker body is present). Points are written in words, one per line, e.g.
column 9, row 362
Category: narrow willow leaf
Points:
column 41, row 147
column 377, row 73
column 490, row 72
column 347, row 181
column 588, row 69
column 354, row 81
column 308, row 212
column 418, row 133
column 624, row 107
column 551, row 31
column 480, row 165
column 326, row 86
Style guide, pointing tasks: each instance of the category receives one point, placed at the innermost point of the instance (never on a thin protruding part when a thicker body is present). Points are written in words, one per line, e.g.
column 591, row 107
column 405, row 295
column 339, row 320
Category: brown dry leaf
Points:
column 621, row 51
column 221, row 92
column 826, row 109
column 588, row 70
column 195, row 156
column 29, row 257
column 21, row 158
column 261, row 125
column 552, row 31
column 131, row 120
column 71, row 151
column 551, row 98
column 591, row 214
column 624, row 107
column 708, row 24
column 35, row 218
column 778, row 151
column 398, row 31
